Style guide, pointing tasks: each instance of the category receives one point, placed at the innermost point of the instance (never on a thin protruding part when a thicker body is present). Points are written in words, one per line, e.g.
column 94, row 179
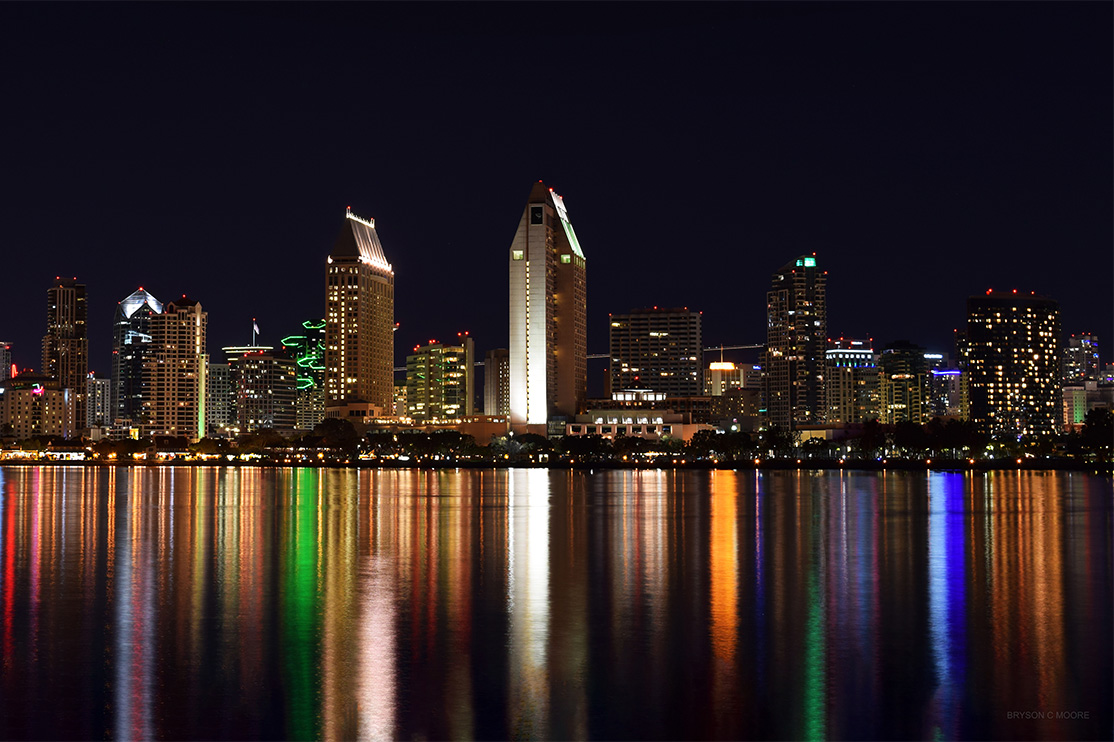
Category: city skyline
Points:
column 914, row 186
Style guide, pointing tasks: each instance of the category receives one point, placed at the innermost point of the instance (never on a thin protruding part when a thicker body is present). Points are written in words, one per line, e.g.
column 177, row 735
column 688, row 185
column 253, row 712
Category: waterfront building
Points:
column 220, row 398
column 852, row 379
column 548, row 313
column 359, row 320
column 1080, row 358
column 648, row 423
column 308, row 351
column 497, row 382
column 131, row 345
column 657, row 349
column 796, row 342
column 723, row 376
column 440, row 381
column 902, row 370
column 174, row 375
column 5, row 360
column 944, row 393
column 1013, row 359
column 98, row 402
column 400, row 398
column 265, row 385
column 36, row 404
column 66, row 343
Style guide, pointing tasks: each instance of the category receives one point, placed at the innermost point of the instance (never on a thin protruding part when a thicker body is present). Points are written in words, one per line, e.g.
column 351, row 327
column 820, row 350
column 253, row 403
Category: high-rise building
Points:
column 796, row 342
column 265, row 385
column 852, row 381
column 1013, row 361
column 1080, row 358
column 945, row 393
column 440, row 381
column 66, row 343
column 174, row 376
column 131, row 344
column 497, row 382
column 657, row 349
column 37, row 404
column 359, row 321
column 548, row 313
column 902, row 370
column 98, row 401
column 5, row 360
column 308, row 350
column 220, row 398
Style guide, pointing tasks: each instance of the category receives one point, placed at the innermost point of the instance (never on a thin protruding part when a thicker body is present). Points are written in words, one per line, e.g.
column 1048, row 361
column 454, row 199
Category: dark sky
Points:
column 925, row 152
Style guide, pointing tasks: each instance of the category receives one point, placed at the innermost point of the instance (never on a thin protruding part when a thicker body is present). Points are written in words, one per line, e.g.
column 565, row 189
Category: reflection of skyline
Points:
column 361, row 604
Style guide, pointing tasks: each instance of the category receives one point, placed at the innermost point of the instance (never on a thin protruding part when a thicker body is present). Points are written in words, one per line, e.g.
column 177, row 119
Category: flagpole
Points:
column 253, row 332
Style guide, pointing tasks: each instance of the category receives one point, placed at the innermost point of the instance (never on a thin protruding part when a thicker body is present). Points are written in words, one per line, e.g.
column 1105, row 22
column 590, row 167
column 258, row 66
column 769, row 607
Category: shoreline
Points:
column 939, row 465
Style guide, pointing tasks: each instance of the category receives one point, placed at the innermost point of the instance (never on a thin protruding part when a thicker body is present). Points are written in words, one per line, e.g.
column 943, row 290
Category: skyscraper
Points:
column 658, row 349
column 131, row 343
column 1013, row 363
column 174, row 375
column 66, row 343
column 902, row 372
column 265, row 385
column 98, row 402
column 497, row 382
column 308, row 351
column 359, row 321
column 852, row 381
column 440, row 381
column 548, row 313
column 1080, row 358
column 5, row 360
column 796, row 341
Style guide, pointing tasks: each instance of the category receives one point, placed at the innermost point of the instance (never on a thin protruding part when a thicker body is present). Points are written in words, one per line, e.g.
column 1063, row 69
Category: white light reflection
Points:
column 376, row 685
column 528, row 602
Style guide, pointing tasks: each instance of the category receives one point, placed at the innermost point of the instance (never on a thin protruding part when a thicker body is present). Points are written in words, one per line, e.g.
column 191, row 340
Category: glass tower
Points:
column 66, row 343
column 131, row 344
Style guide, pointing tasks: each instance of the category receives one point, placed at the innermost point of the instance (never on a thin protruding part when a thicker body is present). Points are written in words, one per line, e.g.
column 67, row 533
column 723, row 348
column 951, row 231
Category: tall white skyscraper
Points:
column 548, row 313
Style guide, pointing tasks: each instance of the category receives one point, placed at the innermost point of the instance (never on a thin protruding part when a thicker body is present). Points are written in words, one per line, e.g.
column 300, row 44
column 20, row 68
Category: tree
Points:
column 1097, row 436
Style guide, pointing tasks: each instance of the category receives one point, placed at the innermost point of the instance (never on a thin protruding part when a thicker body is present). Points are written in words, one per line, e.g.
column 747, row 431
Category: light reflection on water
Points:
column 242, row 603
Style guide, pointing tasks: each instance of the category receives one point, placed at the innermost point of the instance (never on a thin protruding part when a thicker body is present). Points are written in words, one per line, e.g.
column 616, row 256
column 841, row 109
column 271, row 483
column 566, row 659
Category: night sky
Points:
column 925, row 152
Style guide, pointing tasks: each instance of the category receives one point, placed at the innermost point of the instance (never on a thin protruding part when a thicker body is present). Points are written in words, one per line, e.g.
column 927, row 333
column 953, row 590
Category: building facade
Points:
column 657, row 349
column 852, row 381
column 308, row 351
column 66, row 343
column 548, row 313
column 5, row 360
column 902, row 372
column 131, row 344
column 1080, row 358
column 796, row 343
column 359, row 320
column 1013, row 363
column 265, row 385
column 440, row 381
column 175, row 371
column 497, row 382
column 98, row 402
column 36, row 404
column 220, row 399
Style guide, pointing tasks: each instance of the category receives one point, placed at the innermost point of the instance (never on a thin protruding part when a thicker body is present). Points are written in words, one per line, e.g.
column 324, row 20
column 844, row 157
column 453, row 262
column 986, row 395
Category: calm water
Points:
column 267, row 603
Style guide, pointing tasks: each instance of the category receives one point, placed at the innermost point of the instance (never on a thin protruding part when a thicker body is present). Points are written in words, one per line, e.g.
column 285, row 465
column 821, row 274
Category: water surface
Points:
column 198, row 603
